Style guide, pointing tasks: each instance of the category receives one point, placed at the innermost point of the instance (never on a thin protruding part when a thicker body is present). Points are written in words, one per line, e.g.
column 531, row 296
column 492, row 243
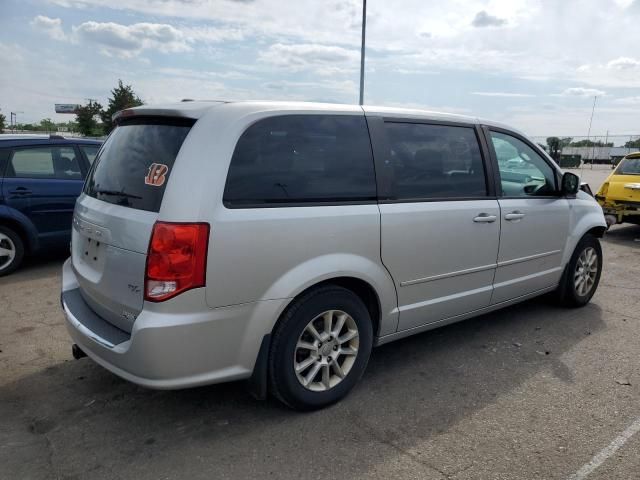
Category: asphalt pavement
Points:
column 531, row 392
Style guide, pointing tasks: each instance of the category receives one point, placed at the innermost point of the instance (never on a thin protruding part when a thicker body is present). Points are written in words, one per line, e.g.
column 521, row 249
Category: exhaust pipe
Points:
column 611, row 220
column 77, row 352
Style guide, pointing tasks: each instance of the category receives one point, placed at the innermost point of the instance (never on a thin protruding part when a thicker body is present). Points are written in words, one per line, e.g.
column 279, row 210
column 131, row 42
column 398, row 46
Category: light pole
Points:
column 14, row 121
column 364, row 28
column 593, row 109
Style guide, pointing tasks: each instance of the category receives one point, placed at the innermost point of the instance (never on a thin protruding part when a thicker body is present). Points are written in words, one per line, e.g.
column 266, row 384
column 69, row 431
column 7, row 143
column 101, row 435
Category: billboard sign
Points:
column 66, row 107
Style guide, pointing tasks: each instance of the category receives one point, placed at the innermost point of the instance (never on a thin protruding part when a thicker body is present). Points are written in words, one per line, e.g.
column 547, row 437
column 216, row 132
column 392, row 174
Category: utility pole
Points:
column 362, row 45
column 14, row 121
column 593, row 109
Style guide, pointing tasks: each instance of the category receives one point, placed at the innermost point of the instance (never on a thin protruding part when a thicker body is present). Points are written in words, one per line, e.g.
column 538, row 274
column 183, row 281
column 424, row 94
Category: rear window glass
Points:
column 302, row 159
column 629, row 166
column 135, row 163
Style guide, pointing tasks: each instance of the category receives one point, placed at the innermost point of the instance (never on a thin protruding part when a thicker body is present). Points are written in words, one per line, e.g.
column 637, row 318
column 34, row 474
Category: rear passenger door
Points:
column 439, row 217
column 43, row 183
column 534, row 218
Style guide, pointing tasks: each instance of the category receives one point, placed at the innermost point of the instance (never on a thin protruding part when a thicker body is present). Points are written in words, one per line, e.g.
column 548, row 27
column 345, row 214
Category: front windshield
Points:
column 629, row 166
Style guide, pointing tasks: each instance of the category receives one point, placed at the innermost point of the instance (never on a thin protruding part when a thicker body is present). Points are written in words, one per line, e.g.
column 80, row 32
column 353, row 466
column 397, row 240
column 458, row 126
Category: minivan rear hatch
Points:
column 114, row 216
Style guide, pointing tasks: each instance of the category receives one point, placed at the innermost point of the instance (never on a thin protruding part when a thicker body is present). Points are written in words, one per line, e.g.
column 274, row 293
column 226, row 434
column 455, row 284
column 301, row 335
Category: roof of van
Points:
column 197, row 108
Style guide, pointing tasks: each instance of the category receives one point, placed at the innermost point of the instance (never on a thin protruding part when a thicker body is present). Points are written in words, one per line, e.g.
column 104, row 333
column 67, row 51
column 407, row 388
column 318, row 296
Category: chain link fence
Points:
column 595, row 150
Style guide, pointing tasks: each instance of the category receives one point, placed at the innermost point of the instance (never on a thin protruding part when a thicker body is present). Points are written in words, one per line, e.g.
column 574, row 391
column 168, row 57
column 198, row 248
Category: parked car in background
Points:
column 619, row 195
column 280, row 241
column 40, row 178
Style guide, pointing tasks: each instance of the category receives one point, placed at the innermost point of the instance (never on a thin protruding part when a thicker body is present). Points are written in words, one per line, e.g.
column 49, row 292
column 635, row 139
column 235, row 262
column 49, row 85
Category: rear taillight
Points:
column 177, row 259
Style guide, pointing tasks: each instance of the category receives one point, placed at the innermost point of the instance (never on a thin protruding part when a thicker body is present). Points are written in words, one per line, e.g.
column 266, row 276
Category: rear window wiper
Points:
column 120, row 194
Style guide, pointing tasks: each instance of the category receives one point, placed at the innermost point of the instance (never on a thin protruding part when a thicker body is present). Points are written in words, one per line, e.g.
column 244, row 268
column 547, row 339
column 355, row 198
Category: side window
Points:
column 44, row 162
column 302, row 158
column 435, row 161
column 523, row 172
column 90, row 152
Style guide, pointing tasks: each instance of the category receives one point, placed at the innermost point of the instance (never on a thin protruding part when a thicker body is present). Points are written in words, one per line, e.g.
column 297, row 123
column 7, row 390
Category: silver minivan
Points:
column 279, row 242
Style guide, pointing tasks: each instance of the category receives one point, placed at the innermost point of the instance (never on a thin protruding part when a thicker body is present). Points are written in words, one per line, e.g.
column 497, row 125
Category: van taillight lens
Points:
column 177, row 259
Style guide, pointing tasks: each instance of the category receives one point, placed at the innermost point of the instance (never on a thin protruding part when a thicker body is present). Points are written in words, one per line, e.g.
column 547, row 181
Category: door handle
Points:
column 515, row 215
column 20, row 191
column 485, row 218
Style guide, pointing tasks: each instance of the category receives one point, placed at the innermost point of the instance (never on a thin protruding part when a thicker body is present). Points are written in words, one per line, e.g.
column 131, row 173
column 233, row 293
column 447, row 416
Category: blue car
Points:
column 40, row 179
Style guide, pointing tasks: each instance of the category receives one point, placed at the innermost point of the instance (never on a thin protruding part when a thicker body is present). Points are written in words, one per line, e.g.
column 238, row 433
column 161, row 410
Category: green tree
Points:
column 565, row 142
column 554, row 147
column 122, row 97
column 633, row 143
column 590, row 143
column 86, row 119
column 3, row 122
column 47, row 125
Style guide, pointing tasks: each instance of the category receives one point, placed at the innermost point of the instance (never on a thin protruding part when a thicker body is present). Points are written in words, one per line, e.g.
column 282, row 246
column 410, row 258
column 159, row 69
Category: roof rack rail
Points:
column 53, row 136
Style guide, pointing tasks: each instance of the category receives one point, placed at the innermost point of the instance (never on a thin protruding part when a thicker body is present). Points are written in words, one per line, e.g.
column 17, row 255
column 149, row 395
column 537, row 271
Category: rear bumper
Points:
column 619, row 208
column 177, row 344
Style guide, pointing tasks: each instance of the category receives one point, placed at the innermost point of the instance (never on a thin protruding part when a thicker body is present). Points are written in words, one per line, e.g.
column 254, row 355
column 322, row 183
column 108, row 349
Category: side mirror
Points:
column 570, row 183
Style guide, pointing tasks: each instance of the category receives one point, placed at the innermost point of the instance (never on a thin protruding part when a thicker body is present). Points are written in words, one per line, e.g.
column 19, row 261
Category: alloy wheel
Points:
column 584, row 277
column 7, row 251
column 326, row 350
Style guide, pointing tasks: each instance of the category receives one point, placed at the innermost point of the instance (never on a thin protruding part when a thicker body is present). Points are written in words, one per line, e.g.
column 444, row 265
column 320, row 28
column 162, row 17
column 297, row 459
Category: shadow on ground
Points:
column 624, row 234
column 76, row 420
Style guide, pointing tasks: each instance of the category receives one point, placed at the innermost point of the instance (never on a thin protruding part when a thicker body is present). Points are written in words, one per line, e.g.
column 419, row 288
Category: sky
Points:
column 533, row 64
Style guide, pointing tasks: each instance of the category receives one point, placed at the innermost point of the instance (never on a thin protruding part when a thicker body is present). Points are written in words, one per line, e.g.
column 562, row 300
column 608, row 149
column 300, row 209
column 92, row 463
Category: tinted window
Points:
column 44, row 162
column 90, row 152
column 629, row 166
column 435, row 161
column 523, row 171
column 302, row 158
column 134, row 164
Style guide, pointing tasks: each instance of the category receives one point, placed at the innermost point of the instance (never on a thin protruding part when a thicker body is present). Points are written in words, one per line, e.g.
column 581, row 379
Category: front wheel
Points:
column 320, row 349
column 582, row 276
column 11, row 250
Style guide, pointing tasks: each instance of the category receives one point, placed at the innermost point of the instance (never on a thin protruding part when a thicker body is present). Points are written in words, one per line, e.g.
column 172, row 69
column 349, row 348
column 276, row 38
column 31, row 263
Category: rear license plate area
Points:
column 91, row 251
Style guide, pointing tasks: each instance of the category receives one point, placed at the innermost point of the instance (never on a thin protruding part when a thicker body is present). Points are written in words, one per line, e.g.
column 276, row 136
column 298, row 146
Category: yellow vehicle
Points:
column 619, row 195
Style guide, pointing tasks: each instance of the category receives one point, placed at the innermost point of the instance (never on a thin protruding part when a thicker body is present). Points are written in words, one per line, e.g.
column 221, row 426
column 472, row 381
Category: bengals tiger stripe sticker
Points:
column 157, row 174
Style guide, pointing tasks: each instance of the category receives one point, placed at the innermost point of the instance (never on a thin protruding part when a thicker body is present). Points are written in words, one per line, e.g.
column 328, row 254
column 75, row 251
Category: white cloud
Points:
column 129, row 40
column 271, row 41
column 624, row 63
column 323, row 59
column 483, row 19
column 628, row 100
column 581, row 92
column 622, row 71
column 347, row 87
column 503, row 94
column 214, row 35
column 50, row 26
column 202, row 74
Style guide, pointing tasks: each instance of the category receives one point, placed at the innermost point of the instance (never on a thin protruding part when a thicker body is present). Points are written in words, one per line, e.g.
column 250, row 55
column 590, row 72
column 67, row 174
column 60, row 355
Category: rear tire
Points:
column 11, row 250
column 320, row 348
column 582, row 275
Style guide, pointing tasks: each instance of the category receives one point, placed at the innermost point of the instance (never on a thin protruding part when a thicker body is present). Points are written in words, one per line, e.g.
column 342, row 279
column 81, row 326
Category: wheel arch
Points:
column 257, row 384
column 592, row 223
column 597, row 232
column 24, row 231
column 361, row 288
